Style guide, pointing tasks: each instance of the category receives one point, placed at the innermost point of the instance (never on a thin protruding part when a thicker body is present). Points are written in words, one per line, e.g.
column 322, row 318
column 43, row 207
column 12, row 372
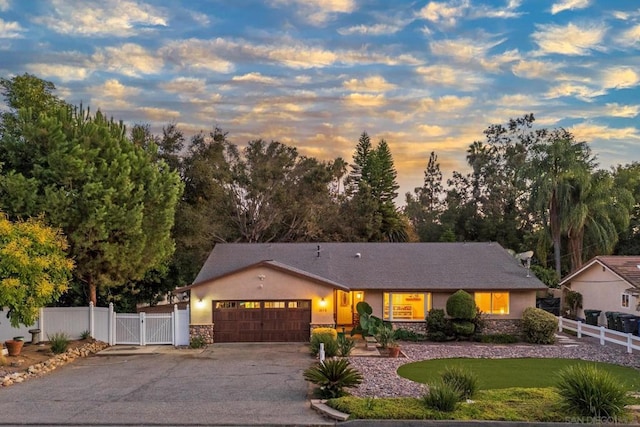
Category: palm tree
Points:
column 600, row 210
column 558, row 169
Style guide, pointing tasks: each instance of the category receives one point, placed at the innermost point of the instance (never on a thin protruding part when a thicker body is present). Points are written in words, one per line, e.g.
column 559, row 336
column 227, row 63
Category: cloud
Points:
column 446, row 14
column 184, row 85
column 128, row 59
column 475, row 51
column 616, row 110
column 630, row 37
column 369, row 84
column 365, row 100
column 620, row 78
column 254, row 78
column 4, row 5
column 112, row 88
column 372, row 30
column 197, row 54
column 158, row 114
column 446, row 75
column 317, row 12
column 431, row 131
column 582, row 92
column 100, row 18
column 59, row 71
column 535, row 69
column 10, row 30
column 446, row 104
column 571, row 39
column 569, row 5
column 590, row 131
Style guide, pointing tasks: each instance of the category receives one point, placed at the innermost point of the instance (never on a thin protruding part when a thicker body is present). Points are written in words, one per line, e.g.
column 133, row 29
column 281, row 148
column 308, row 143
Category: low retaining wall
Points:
column 204, row 331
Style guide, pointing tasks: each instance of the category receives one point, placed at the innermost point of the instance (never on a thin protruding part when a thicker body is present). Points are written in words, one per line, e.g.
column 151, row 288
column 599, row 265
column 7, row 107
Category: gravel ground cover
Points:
column 381, row 379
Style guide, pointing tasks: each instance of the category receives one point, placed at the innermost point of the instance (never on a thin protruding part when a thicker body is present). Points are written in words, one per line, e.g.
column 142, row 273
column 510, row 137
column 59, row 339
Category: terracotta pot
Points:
column 14, row 347
column 394, row 351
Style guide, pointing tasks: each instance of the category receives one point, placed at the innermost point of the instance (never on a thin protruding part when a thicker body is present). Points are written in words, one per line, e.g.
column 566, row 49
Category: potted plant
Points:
column 394, row 348
column 385, row 337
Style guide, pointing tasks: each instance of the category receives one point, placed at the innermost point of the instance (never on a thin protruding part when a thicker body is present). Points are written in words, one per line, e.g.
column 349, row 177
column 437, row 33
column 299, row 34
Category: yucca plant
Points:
column 591, row 392
column 333, row 376
column 462, row 380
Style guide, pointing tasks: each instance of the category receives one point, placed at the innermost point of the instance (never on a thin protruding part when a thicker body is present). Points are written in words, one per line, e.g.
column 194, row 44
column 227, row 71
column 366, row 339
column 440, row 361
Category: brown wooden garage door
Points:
column 261, row 321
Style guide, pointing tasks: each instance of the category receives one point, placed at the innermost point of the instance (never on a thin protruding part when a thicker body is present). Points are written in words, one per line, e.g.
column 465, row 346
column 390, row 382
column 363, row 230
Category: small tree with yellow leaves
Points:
column 34, row 268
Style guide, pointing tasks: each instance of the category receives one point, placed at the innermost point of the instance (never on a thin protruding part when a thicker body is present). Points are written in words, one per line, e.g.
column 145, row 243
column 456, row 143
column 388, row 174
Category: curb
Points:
column 327, row 411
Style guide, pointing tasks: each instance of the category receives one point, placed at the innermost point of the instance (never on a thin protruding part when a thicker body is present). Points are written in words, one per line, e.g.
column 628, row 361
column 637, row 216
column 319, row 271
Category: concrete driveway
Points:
column 227, row 384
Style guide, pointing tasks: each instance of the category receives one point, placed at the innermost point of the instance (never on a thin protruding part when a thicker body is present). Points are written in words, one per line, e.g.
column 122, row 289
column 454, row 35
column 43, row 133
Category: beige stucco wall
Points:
column 602, row 290
column 261, row 283
column 518, row 301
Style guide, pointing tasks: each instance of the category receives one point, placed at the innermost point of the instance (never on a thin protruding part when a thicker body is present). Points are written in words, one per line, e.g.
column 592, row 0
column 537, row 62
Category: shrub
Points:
column 461, row 306
column 85, row 335
column 479, row 321
column 330, row 331
column 59, row 342
column 441, row 397
column 330, row 344
column 438, row 326
column 591, row 392
column 462, row 380
column 345, row 345
column 498, row 339
column 539, row 326
column 198, row 342
column 463, row 328
column 385, row 335
column 333, row 376
column 403, row 334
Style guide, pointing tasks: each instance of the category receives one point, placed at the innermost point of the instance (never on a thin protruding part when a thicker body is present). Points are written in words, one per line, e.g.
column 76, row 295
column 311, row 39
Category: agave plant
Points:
column 333, row 376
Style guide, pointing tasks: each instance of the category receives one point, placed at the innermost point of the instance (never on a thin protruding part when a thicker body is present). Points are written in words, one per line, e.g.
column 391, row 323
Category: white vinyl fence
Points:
column 630, row 341
column 104, row 324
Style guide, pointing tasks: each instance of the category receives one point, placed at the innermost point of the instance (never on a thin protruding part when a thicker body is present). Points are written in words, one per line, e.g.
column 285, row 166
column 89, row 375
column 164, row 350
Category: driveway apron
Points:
column 227, row 384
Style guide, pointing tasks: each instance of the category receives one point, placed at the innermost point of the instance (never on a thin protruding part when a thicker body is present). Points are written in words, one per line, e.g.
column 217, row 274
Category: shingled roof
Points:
column 389, row 266
column 626, row 267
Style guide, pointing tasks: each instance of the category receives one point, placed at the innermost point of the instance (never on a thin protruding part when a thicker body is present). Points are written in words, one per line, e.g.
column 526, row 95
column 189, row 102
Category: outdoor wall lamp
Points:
column 323, row 303
column 200, row 303
column 358, row 295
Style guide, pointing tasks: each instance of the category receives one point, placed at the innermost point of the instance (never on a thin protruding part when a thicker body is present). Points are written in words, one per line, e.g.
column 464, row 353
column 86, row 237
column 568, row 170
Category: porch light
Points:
column 323, row 303
column 200, row 303
column 358, row 295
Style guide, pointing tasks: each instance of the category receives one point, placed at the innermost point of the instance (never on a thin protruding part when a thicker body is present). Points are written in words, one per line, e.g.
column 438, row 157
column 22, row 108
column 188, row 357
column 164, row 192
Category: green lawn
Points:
column 505, row 373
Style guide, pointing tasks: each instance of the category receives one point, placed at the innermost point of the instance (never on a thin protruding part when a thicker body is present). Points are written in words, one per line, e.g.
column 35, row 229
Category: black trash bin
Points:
column 622, row 321
column 592, row 316
column 610, row 323
column 617, row 322
column 629, row 323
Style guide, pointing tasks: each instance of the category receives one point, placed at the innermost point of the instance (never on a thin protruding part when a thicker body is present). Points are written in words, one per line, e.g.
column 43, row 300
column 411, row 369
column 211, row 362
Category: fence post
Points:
column 559, row 323
column 142, row 329
column 629, row 342
column 111, row 322
column 601, row 335
column 579, row 327
column 41, row 322
column 174, row 326
column 91, row 320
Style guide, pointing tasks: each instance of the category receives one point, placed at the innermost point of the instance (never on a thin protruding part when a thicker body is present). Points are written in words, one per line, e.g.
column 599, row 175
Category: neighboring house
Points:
column 281, row 291
column 607, row 283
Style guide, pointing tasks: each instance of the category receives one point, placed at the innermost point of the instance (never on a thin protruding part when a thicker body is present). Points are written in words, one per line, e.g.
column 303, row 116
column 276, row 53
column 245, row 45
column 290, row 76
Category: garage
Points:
column 261, row 321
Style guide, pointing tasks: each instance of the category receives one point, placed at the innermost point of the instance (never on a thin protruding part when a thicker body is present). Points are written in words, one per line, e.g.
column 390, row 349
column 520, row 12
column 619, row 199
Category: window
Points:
column 625, row 300
column 274, row 304
column 406, row 306
column 226, row 304
column 299, row 304
column 493, row 302
column 249, row 304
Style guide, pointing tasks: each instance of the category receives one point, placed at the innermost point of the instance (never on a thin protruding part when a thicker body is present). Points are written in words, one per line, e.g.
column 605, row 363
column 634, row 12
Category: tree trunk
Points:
column 556, row 235
column 575, row 249
column 93, row 293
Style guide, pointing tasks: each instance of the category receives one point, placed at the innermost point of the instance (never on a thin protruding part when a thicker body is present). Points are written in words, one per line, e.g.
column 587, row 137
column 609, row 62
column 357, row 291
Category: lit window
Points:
column 493, row 302
column 406, row 306
column 299, row 304
column 625, row 300
column 249, row 304
column 274, row 304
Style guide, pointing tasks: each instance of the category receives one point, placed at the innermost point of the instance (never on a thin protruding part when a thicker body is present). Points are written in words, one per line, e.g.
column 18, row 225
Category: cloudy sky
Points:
column 424, row 75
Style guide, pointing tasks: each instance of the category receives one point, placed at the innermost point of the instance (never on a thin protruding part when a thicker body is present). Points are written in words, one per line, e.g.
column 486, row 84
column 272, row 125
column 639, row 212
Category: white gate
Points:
column 129, row 328
column 144, row 328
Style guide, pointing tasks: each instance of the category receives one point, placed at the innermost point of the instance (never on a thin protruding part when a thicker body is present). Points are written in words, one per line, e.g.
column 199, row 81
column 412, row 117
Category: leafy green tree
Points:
column 34, row 268
column 112, row 199
column 628, row 177
column 425, row 206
